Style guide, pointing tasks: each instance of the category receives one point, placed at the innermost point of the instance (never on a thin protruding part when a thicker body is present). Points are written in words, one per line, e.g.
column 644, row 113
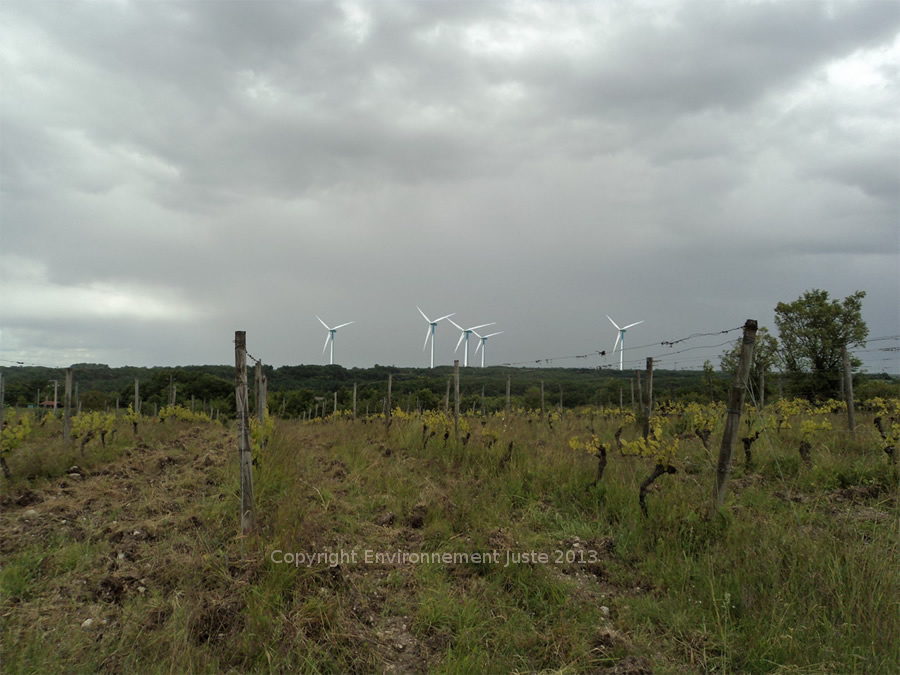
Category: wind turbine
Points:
column 429, row 333
column 482, row 339
column 621, row 338
column 330, row 338
column 465, row 336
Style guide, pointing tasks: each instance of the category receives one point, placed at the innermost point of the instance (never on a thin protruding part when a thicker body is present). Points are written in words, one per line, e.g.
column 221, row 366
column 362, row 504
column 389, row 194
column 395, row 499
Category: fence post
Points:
column 3, row 465
column 735, row 407
column 542, row 400
column 848, row 390
column 248, row 505
column 456, row 399
column 354, row 400
column 508, row 379
column 387, row 405
column 648, row 402
column 67, row 410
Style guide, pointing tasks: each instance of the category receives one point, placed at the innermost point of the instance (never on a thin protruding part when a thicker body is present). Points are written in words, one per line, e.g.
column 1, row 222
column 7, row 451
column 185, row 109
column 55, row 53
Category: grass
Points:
column 797, row 573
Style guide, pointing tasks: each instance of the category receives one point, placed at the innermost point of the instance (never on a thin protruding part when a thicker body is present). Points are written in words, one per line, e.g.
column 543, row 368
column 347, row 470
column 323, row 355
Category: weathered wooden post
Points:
column 648, row 402
column 245, row 452
column 483, row 406
column 508, row 381
column 263, row 402
column 3, row 465
column 848, row 390
column 354, row 400
column 137, row 397
column 542, row 399
column 67, row 410
column 631, row 382
column 387, row 405
column 456, row 399
column 447, row 397
column 335, row 401
column 735, row 407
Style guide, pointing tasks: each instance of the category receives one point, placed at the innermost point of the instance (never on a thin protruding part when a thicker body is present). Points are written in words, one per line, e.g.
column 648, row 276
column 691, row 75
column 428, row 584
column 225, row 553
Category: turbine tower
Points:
column 330, row 337
column 465, row 336
column 482, row 339
column 620, row 338
column 430, row 331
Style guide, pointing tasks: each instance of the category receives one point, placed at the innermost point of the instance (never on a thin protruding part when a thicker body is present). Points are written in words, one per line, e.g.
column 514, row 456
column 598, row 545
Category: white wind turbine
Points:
column 620, row 338
column 465, row 336
column 330, row 338
column 430, row 332
column 482, row 339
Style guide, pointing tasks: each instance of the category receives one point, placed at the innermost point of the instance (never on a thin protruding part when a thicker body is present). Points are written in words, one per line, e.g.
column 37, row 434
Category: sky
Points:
column 172, row 172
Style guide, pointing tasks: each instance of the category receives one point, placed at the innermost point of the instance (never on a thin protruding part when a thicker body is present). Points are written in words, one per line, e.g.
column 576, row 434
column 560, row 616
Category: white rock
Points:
column 30, row 514
column 87, row 624
column 604, row 610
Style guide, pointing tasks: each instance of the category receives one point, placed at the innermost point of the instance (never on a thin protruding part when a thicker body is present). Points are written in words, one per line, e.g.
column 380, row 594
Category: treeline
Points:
column 295, row 390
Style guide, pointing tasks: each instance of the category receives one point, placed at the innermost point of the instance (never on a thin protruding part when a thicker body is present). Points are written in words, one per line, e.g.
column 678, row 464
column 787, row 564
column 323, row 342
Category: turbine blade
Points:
column 455, row 324
column 483, row 325
column 445, row 317
column 423, row 314
column 461, row 336
column 613, row 322
column 632, row 324
column 327, row 338
column 343, row 324
column 618, row 336
column 427, row 335
column 323, row 323
column 479, row 345
column 493, row 334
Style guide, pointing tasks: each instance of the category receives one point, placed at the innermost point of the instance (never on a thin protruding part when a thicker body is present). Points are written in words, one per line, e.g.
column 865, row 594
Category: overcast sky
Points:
column 175, row 171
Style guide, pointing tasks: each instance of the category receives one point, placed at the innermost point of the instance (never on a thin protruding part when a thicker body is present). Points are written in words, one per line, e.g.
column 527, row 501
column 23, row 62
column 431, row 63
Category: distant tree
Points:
column 765, row 358
column 94, row 400
column 812, row 331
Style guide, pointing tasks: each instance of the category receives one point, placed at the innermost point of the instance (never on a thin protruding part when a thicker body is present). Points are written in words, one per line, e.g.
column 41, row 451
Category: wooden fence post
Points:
column 735, row 408
column 456, row 399
column 631, row 382
column 508, row 380
column 354, row 400
column 447, row 397
column 3, row 465
column 248, row 504
column 387, row 405
column 848, row 390
column 67, row 410
column 648, row 402
column 542, row 399
column 137, row 397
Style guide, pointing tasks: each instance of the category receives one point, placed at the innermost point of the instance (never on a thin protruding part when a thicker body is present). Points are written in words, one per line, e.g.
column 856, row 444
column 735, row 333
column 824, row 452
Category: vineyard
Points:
column 559, row 541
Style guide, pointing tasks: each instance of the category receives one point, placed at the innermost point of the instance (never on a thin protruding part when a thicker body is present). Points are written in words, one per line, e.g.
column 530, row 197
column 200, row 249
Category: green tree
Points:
column 812, row 331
